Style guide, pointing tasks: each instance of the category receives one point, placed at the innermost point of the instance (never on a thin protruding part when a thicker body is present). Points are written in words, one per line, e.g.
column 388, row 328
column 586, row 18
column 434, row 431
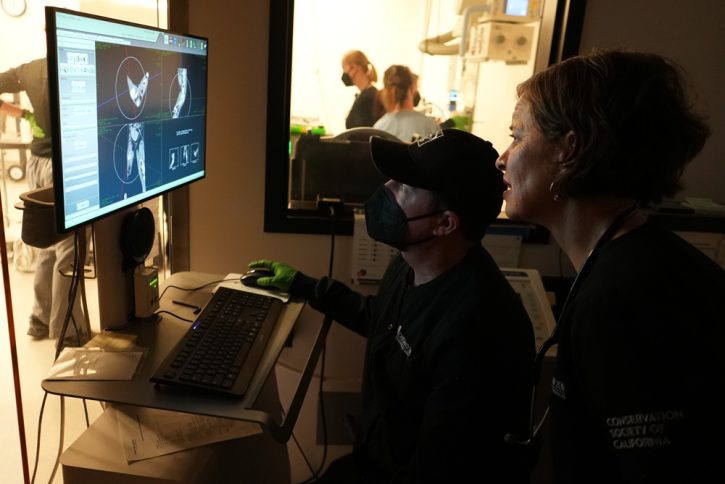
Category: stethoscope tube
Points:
column 553, row 339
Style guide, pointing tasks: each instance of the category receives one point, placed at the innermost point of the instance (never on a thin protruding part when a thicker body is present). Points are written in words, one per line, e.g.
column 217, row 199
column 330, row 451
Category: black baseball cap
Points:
column 457, row 165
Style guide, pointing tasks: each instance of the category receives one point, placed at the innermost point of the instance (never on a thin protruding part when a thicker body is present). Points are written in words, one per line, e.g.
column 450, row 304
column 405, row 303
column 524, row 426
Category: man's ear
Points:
column 448, row 222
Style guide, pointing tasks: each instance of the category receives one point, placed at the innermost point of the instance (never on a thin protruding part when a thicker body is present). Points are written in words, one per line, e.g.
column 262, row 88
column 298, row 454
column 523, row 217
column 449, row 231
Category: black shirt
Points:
column 640, row 371
column 447, row 372
column 33, row 79
column 365, row 110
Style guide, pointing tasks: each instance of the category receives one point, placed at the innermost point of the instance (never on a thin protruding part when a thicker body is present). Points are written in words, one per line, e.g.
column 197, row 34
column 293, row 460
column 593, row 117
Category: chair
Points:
column 364, row 134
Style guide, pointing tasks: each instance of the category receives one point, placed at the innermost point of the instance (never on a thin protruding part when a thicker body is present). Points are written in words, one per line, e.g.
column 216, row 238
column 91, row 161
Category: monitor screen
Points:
column 517, row 8
column 128, row 104
column 332, row 168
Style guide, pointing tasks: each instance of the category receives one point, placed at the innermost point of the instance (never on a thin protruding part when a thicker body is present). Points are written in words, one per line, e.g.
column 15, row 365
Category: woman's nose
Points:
column 501, row 162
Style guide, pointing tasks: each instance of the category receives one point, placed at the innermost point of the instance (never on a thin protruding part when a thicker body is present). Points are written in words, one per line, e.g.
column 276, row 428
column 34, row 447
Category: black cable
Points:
column 192, row 289
column 37, row 444
column 71, row 299
column 321, row 403
column 74, row 290
column 332, row 242
column 163, row 311
column 60, row 440
column 320, row 397
column 85, row 411
column 320, row 394
column 302, row 452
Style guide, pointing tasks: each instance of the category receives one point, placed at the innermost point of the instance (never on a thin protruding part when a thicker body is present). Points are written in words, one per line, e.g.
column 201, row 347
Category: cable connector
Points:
column 325, row 203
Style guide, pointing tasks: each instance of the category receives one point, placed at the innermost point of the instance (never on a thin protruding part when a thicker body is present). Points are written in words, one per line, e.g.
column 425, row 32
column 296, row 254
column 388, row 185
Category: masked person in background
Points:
column 638, row 388
column 399, row 97
column 449, row 345
column 359, row 72
column 50, row 287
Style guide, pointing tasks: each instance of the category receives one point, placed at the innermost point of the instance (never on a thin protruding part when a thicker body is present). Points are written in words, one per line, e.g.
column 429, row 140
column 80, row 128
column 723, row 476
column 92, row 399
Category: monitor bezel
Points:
column 54, row 106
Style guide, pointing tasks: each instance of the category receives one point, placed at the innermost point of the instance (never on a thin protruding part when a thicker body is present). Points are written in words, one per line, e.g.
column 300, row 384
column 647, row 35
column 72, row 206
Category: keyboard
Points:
column 222, row 348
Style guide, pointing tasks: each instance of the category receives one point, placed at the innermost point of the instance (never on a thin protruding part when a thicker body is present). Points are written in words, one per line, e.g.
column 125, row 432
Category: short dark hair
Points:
column 474, row 221
column 635, row 127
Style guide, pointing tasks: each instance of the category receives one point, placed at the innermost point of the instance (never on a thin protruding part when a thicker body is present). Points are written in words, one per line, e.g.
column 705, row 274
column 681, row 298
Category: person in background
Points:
column 399, row 97
column 638, row 390
column 359, row 72
column 50, row 287
column 450, row 347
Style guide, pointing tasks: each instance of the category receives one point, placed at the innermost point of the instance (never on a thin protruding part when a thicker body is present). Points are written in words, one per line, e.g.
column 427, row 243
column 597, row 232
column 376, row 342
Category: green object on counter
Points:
column 299, row 129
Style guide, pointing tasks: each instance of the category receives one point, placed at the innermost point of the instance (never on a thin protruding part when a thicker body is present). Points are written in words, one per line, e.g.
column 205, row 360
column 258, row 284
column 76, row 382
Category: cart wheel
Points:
column 16, row 172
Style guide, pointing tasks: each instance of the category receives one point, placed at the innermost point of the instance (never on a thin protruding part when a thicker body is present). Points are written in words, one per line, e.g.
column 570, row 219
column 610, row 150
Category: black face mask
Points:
column 416, row 98
column 386, row 221
column 346, row 79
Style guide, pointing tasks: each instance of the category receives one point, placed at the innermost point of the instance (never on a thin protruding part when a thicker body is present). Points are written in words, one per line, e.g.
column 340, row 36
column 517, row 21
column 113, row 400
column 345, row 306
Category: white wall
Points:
column 387, row 32
column 692, row 34
column 23, row 38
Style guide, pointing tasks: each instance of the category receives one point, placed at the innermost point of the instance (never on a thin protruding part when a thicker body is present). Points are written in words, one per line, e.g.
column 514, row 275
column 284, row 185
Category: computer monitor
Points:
column 332, row 168
column 128, row 112
column 128, row 104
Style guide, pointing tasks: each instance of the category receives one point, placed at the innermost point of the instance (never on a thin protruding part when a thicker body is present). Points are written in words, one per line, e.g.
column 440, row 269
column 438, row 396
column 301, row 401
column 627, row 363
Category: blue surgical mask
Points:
column 386, row 221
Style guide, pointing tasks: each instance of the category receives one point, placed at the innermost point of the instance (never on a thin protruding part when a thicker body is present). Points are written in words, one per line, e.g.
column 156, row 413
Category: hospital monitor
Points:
column 128, row 104
column 516, row 11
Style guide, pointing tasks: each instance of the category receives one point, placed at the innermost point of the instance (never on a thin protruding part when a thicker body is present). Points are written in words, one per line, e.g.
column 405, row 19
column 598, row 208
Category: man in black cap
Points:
column 450, row 348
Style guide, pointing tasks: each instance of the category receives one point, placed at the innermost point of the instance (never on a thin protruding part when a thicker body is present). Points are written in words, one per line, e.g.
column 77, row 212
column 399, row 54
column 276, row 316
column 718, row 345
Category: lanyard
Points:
column 554, row 337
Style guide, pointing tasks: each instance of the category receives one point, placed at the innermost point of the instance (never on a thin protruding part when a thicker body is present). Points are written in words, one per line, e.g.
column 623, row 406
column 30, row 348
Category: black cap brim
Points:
column 393, row 160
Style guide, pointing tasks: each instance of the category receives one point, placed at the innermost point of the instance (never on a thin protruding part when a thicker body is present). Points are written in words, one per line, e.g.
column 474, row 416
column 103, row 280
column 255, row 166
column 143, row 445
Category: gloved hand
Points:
column 283, row 274
column 34, row 126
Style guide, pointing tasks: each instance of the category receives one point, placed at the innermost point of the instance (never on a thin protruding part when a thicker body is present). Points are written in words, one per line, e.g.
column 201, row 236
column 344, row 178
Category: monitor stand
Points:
column 115, row 287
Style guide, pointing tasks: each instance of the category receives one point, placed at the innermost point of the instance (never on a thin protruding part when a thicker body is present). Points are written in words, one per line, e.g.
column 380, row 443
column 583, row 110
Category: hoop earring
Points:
column 554, row 190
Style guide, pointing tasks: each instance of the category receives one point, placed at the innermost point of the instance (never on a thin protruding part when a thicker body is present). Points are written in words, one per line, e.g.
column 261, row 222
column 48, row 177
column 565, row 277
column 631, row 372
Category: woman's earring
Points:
column 554, row 190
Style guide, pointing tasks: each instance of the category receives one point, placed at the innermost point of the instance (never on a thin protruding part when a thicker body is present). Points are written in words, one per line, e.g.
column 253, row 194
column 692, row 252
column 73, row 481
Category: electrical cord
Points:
column 302, row 452
column 320, row 394
column 163, row 311
column 37, row 442
column 60, row 442
column 72, row 292
column 188, row 289
column 74, row 281
column 192, row 289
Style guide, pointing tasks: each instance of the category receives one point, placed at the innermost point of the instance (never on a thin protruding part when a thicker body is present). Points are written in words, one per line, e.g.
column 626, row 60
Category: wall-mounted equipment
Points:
column 500, row 41
column 520, row 11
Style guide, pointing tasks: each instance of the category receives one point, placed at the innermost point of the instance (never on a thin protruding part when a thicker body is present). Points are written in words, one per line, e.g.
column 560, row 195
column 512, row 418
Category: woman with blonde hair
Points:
column 399, row 96
column 359, row 72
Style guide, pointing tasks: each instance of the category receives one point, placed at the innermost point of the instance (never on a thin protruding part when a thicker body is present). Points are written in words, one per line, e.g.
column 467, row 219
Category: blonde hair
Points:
column 357, row 58
column 397, row 81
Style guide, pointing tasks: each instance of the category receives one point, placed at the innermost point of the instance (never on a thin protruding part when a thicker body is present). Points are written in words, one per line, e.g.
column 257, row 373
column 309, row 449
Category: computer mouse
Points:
column 250, row 277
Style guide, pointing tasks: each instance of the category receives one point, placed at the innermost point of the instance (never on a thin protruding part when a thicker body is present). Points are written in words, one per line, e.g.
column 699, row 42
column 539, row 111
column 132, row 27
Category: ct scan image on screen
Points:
column 149, row 123
column 131, row 103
